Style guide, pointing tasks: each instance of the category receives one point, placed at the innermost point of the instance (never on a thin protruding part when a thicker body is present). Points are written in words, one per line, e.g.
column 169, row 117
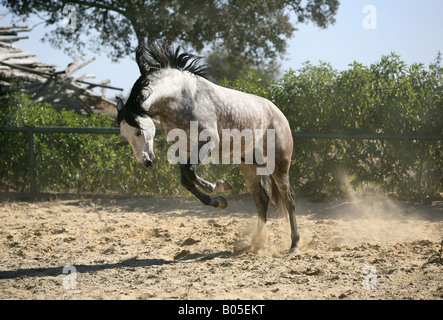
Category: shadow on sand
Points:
column 129, row 263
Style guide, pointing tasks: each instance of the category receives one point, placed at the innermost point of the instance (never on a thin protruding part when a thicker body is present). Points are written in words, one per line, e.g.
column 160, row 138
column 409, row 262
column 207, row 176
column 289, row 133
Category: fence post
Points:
column 31, row 142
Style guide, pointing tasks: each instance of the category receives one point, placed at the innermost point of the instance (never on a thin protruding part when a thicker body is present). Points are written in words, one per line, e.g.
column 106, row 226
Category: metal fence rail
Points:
column 31, row 131
column 367, row 136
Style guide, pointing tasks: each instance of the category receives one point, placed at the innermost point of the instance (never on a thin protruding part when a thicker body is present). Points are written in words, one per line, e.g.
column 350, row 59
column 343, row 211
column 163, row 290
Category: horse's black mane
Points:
column 152, row 57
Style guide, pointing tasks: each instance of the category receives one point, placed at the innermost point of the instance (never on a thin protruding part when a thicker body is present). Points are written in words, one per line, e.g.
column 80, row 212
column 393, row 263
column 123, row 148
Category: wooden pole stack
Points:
column 62, row 89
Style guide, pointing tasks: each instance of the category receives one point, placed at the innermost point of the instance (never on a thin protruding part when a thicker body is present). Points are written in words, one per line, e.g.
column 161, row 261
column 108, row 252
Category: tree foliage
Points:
column 248, row 30
column 222, row 67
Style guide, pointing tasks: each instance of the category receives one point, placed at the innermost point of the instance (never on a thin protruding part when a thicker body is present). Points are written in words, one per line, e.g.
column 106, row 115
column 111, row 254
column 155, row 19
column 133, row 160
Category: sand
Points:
column 175, row 248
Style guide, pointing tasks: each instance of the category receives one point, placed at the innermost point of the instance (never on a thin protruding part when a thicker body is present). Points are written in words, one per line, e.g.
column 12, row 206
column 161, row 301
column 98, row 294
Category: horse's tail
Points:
column 274, row 195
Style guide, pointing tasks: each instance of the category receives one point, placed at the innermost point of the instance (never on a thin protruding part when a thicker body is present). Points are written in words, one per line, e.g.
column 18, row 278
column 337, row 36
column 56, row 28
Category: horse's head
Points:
column 139, row 131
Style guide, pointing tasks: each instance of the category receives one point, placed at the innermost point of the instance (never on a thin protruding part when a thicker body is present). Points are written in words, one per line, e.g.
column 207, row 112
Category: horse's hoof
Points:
column 227, row 186
column 220, row 202
column 294, row 250
column 222, row 186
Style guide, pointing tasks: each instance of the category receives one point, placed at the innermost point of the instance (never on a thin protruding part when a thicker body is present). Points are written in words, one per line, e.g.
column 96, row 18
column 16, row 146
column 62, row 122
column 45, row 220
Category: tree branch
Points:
column 97, row 4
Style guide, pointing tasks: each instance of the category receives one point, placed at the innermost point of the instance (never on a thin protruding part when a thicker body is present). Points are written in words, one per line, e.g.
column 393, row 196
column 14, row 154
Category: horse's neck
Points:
column 166, row 87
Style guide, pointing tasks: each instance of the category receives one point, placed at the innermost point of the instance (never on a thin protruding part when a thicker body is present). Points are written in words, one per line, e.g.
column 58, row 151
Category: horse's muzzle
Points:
column 148, row 162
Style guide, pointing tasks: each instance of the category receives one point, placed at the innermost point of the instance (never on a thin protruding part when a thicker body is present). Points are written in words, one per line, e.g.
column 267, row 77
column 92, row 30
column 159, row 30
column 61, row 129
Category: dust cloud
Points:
column 365, row 217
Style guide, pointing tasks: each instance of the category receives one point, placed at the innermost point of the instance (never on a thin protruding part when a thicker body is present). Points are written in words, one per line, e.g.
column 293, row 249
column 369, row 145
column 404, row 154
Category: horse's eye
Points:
column 138, row 132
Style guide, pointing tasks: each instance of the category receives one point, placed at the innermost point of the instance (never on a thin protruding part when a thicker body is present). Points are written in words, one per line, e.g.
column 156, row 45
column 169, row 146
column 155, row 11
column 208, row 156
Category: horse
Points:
column 175, row 87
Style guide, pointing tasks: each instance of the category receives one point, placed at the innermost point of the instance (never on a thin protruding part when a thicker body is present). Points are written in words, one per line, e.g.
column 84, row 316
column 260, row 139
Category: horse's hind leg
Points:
column 288, row 200
column 261, row 199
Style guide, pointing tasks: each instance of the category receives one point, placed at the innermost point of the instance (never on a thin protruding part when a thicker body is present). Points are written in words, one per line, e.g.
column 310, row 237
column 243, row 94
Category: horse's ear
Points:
column 120, row 104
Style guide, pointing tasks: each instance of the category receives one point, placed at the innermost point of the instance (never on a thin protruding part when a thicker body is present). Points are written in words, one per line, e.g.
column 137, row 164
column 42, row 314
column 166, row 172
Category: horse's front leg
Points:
column 208, row 187
column 188, row 177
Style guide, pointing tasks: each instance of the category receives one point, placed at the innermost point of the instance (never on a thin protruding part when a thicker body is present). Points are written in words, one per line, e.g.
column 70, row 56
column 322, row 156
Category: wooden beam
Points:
column 73, row 70
column 99, row 85
column 12, row 39
column 30, row 70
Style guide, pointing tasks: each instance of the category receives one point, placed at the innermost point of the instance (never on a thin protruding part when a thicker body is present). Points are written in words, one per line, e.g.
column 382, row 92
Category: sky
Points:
column 364, row 31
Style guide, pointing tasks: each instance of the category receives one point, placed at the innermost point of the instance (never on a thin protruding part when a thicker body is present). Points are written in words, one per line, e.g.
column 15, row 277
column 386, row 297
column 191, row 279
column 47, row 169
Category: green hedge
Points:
column 75, row 162
column 386, row 97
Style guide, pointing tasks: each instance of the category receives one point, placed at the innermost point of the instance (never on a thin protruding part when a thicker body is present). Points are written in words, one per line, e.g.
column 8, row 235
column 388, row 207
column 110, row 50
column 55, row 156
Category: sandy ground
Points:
column 176, row 248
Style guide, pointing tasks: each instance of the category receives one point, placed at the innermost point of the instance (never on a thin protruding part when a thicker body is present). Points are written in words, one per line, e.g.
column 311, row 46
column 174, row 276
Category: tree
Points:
column 249, row 31
column 223, row 66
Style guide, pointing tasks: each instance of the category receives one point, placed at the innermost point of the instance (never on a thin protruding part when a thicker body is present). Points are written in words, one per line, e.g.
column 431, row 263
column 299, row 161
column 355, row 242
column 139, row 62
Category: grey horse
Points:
column 175, row 87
